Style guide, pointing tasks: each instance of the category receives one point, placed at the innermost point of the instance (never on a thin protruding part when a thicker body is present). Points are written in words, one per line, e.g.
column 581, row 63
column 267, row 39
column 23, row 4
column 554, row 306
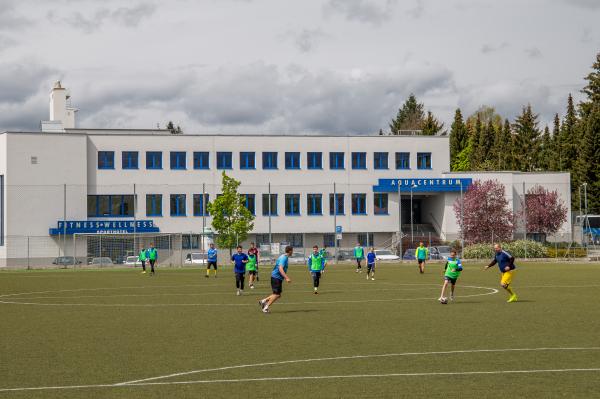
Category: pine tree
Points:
column 592, row 89
column 568, row 137
column 556, row 156
column 458, row 136
column 431, row 126
column 410, row 117
column 506, row 147
column 485, row 115
column 588, row 162
column 545, row 152
column 527, row 140
column 475, row 139
column 497, row 148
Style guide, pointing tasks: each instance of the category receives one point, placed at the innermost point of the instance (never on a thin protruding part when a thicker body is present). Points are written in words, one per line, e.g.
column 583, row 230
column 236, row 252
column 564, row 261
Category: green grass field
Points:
column 80, row 333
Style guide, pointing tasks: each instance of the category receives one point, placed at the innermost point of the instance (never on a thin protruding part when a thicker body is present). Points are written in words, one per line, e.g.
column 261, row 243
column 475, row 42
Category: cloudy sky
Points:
column 285, row 66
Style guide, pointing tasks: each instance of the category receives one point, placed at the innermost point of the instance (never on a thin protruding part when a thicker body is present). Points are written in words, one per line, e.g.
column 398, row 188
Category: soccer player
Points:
column 252, row 269
column 211, row 259
column 254, row 251
column 316, row 265
column 452, row 272
column 142, row 258
column 239, row 261
column 277, row 276
column 421, row 253
column 371, row 264
column 506, row 264
column 152, row 256
column 359, row 254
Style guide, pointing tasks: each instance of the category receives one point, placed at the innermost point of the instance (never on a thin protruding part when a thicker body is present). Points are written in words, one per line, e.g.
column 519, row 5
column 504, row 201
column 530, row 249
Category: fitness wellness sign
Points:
column 422, row 185
column 104, row 227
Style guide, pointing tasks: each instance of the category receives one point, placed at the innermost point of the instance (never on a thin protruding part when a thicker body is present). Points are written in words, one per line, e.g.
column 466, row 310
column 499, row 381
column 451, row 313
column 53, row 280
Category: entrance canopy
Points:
column 445, row 184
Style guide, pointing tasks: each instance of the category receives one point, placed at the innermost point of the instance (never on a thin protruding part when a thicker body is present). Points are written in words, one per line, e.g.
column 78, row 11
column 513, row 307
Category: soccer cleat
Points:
column 316, row 292
column 451, row 297
column 356, row 270
column 372, row 278
column 144, row 272
column 238, row 293
column 206, row 276
column 262, row 303
column 367, row 276
column 251, row 286
column 266, row 310
column 513, row 298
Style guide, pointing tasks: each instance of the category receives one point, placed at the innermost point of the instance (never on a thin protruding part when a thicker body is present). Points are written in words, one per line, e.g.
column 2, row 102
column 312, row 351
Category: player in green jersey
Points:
column 452, row 272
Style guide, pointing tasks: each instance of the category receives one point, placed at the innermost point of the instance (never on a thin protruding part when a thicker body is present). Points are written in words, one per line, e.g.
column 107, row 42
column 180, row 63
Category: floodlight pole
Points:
column 462, row 226
column 400, row 221
column 203, row 217
column 585, row 205
column 412, row 238
column 269, row 201
column 335, row 206
column 134, row 218
column 64, row 237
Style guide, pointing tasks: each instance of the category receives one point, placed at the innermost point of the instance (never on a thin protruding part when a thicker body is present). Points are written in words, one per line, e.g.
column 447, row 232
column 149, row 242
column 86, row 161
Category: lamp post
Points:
column 400, row 221
column 412, row 233
column 462, row 226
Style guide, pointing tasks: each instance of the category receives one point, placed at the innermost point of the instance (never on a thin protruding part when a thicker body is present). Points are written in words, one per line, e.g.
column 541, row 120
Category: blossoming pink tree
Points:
column 487, row 216
column 545, row 212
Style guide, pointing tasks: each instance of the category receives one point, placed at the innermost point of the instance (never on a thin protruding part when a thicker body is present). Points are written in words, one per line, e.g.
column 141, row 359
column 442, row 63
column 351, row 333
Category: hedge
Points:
column 518, row 249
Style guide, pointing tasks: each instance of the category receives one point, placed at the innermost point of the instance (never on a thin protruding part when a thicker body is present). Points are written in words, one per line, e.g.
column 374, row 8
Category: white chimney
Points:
column 60, row 107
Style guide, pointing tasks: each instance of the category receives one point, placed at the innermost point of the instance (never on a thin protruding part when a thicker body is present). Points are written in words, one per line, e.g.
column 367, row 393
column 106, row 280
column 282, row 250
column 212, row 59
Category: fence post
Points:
column 74, row 254
column 181, row 249
column 525, row 219
column 28, row 262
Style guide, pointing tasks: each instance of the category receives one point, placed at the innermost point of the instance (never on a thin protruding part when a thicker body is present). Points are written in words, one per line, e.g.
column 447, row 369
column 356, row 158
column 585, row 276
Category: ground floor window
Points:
column 261, row 239
column 366, row 239
column 110, row 205
column 295, row 240
column 190, row 241
column 380, row 204
column 329, row 240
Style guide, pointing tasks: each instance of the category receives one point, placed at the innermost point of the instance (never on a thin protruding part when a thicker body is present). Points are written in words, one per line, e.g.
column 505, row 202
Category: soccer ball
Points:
column 444, row 301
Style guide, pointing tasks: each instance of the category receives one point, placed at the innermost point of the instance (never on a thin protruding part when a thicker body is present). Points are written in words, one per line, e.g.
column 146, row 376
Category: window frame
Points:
column 224, row 156
column 273, row 201
column 151, row 157
column 106, row 160
column 377, row 160
column 269, row 160
column 121, row 202
column 202, row 206
column 377, row 204
column 178, row 201
column 127, row 160
column 312, row 200
column 336, row 165
column 178, row 160
column 153, row 198
column 339, row 197
column 292, row 160
column 399, row 157
column 421, row 156
column 245, row 158
column 359, row 160
column 199, row 158
column 361, row 199
column 311, row 157
column 295, row 198
column 246, row 198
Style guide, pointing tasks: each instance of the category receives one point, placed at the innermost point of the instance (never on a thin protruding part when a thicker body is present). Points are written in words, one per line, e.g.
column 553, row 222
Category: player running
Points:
column 371, row 264
column 277, row 276
column 211, row 259
column 452, row 272
column 239, row 261
column 359, row 254
column 152, row 256
column 316, row 266
column 254, row 251
column 506, row 264
column 422, row 253
column 252, row 269
column 142, row 258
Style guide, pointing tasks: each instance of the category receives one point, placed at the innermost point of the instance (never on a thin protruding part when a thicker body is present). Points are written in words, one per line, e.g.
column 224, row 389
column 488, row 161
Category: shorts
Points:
column 421, row 261
column 451, row 280
column 276, row 285
column 371, row 266
column 211, row 263
column 507, row 277
column 252, row 272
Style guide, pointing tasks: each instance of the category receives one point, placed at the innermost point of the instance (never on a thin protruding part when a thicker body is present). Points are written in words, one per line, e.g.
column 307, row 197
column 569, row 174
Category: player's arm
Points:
column 285, row 276
column 308, row 262
column 459, row 265
column 492, row 263
column 446, row 266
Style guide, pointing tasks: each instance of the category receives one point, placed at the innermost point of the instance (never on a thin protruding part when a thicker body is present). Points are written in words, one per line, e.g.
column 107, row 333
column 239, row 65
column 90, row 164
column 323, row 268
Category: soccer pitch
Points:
column 120, row 334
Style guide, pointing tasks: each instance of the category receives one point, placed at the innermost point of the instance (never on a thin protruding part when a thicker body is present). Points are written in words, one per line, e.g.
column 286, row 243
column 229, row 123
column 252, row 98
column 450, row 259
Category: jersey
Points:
column 151, row 254
column 316, row 263
column 453, row 263
column 359, row 252
column 283, row 262
column 371, row 258
column 239, row 264
column 503, row 259
column 142, row 255
column 422, row 253
column 211, row 254
column 251, row 265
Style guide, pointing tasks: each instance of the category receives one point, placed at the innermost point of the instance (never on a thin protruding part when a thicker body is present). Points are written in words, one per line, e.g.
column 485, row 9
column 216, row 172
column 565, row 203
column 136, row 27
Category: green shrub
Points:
column 518, row 249
column 566, row 252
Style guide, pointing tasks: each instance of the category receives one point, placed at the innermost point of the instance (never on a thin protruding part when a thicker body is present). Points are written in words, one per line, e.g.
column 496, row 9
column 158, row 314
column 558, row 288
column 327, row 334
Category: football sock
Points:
column 510, row 290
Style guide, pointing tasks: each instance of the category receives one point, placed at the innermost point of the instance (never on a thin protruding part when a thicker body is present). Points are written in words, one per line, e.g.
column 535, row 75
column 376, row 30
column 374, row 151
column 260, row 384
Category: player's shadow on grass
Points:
column 299, row 311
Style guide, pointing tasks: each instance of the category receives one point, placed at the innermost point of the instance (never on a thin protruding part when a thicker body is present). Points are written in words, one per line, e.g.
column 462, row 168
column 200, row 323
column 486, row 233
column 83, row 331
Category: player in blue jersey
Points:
column 506, row 264
column 211, row 259
column 278, row 274
column 239, row 260
column 371, row 264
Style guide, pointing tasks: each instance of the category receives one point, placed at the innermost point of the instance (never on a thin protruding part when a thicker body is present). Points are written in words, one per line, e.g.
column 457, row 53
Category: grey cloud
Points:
column 418, row 10
column 122, row 16
column 10, row 20
column 490, row 48
column 373, row 12
column 307, row 39
column 262, row 98
column 586, row 36
column 6, row 42
column 19, row 81
column 591, row 4
column 533, row 52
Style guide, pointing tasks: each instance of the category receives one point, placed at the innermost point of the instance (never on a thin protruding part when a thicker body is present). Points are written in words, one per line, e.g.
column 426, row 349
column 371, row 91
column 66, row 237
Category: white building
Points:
column 90, row 175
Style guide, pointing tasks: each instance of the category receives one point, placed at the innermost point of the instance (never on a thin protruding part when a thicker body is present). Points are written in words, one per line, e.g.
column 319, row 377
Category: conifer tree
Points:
column 458, row 136
column 410, row 117
column 527, row 140
column 431, row 126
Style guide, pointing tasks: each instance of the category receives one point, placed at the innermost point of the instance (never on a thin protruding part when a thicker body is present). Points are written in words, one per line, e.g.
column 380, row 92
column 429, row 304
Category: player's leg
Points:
column 316, row 276
column 207, row 269
column 242, row 280
column 238, row 283
column 152, row 261
column 443, row 289
column 506, row 282
column 452, row 285
column 373, row 272
column 215, row 267
column 143, row 267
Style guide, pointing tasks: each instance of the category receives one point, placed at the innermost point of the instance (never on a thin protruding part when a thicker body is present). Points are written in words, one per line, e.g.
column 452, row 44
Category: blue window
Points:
column 380, row 160
column 269, row 205
column 314, row 204
column 153, row 160
column 292, row 160
column 380, row 204
column 403, row 160
column 106, row 159
column 250, row 202
column 359, row 160
column 110, row 205
column 423, row 160
column 247, row 160
column 224, row 160
column 153, row 204
column 336, row 160
column 178, row 160
column 177, row 204
column 269, row 160
column 359, row 204
column 129, row 159
column 315, row 160
column 292, row 204
column 337, row 206
column 201, row 159
column 200, row 205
